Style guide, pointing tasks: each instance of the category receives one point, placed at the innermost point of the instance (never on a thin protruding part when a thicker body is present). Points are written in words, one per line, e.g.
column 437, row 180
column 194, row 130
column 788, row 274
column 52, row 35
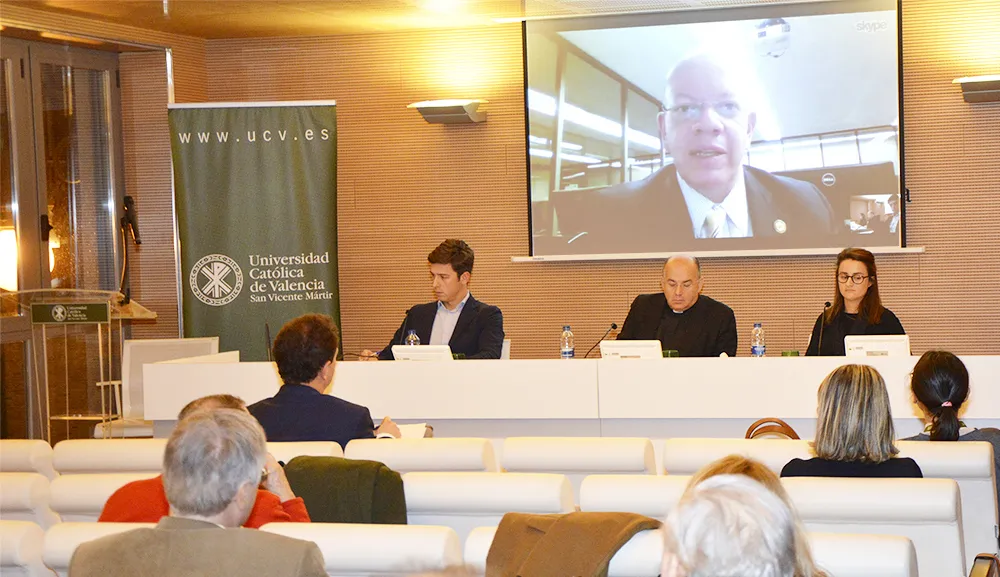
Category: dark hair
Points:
column 455, row 252
column 212, row 402
column 871, row 305
column 303, row 346
column 940, row 377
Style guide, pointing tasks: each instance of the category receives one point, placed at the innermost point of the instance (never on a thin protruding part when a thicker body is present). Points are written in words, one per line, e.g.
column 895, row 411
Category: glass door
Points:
column 61, row 188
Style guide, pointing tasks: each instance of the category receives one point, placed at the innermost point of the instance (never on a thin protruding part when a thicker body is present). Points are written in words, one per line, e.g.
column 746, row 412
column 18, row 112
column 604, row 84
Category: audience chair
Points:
column 27, row 456
column 641, row 556
column 464, row 501
column 84, row 456
column 81, row 498
column 26, row 497
column 926, row 511
column 652, row 496
column 864, row 555
column 21, row 545
column 411, row 455
column 971, row 465
column 286, row 451
column 377, row 550
column 686, row 456
column 577, row 457
column 771, row 428
column 63, row 539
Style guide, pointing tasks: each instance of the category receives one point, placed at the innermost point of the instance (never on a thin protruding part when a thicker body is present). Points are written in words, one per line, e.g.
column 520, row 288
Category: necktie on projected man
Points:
column 256, row 199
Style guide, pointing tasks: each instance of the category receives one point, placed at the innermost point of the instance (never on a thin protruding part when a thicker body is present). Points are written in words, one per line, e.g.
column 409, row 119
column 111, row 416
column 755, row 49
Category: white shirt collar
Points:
column 735, row 205
column 460, row 306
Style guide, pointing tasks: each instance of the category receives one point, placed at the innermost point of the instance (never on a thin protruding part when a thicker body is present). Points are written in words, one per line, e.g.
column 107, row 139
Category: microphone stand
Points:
column 606, row 333
column 822, row 323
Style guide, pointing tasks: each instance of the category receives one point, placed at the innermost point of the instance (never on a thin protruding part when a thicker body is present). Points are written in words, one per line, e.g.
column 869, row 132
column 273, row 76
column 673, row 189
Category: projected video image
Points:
column 764, row 133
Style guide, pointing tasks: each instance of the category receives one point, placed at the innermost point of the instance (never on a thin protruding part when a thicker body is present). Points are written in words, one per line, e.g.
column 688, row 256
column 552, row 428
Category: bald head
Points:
column 708, row 123
column 682, row 282
column 726, row 75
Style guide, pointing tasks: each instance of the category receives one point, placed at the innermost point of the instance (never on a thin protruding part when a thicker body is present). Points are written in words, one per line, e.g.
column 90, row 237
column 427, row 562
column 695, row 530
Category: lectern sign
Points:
column 70, row 313
column 256, row 198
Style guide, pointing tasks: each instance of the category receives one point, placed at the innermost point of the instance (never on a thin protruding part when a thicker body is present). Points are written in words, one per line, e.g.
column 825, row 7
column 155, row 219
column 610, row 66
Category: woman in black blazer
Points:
column 857, row 308
column 854, row 432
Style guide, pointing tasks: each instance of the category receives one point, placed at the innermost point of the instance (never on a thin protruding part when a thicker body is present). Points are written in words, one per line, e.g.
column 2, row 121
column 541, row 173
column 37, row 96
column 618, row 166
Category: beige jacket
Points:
column 185, row 547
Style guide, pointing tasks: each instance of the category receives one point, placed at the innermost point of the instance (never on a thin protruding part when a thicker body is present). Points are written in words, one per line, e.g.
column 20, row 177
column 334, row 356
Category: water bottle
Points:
column 757, row 346
column 411, row 338
column 566, row 344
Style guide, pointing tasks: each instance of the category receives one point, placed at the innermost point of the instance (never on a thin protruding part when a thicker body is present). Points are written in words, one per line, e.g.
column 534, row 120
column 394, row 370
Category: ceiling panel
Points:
column 278, row 18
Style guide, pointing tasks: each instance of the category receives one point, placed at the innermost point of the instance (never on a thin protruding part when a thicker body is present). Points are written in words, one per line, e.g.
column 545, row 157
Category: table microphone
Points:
column 613, row 327
column 406, row 318
column 819, row 346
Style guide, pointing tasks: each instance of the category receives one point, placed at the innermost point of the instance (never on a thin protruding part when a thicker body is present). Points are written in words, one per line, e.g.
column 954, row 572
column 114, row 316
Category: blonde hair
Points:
column 740, row 465
column 854, row 419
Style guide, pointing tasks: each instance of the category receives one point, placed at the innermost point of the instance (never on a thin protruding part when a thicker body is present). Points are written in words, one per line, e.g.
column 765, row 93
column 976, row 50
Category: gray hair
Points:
column 731, row 526
column 854, row 417
column 209, row 456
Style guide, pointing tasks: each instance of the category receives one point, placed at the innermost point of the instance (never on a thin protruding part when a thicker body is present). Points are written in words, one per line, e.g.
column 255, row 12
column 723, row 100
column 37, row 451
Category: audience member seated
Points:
column 729, row 525
column 211, row 469
column 306, row 352
column 854, row 432
column 146, row 501
column 940, row 383
column 741, row 465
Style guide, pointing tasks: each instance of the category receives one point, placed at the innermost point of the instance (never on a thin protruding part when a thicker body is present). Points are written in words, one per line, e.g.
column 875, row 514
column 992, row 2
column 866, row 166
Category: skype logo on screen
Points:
column 216, row 280
column 872, row 26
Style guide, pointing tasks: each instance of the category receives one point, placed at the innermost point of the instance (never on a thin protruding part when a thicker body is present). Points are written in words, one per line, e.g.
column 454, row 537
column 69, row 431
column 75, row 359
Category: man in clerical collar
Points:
column 473, row 329
column 680, row 317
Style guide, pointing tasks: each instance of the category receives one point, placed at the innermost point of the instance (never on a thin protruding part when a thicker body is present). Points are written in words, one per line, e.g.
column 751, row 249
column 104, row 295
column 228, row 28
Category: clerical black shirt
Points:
column 707, row 329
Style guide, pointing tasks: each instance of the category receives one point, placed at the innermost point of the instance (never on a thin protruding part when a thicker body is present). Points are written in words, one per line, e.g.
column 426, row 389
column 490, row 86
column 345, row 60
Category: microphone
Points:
column 606, row 333
column 267, row 339
column 402, row 333
column 131, row 218
column 822, row 323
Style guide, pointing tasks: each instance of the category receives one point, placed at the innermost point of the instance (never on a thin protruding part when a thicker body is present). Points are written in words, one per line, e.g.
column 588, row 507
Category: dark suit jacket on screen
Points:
column 707, row 329
column 650, row 215
column 478, row 334
column 301, row 413
column 179, row 547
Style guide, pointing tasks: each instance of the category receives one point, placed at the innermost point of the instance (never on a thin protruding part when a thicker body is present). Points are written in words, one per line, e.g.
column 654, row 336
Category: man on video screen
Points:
column 708, row 193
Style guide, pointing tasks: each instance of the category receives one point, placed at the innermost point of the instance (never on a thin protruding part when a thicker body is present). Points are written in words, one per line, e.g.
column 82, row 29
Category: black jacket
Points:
column 650, row 215
column 843, row 325
column 707, row 329
column 478, row 334
column 301, row 413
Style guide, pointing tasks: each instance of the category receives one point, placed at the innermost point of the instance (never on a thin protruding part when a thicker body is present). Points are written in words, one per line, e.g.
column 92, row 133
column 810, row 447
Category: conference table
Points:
column 658, row 398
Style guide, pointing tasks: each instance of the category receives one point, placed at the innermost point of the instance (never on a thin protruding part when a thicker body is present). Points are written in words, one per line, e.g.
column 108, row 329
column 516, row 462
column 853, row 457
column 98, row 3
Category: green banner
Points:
column 256, row 200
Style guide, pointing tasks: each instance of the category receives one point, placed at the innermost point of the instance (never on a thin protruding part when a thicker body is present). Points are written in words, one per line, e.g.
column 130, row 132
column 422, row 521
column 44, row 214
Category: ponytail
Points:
column 940, row 382
column 945, row 424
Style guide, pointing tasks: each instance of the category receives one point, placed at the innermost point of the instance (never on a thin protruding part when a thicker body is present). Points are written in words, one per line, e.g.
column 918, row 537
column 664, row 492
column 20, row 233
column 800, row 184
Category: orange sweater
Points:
column 146, row 501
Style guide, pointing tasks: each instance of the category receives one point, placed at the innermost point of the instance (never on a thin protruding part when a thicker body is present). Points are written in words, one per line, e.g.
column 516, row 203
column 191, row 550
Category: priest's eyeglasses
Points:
column 692, row 111
column 857, row 277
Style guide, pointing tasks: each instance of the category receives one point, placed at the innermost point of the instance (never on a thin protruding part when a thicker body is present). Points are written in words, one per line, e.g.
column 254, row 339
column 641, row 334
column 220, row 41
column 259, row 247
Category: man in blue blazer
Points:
column 305, row 351
column 471, row 328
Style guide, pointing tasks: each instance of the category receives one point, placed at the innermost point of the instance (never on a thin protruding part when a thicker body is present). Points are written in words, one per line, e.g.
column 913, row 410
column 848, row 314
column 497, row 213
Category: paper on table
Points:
column 412, row 431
